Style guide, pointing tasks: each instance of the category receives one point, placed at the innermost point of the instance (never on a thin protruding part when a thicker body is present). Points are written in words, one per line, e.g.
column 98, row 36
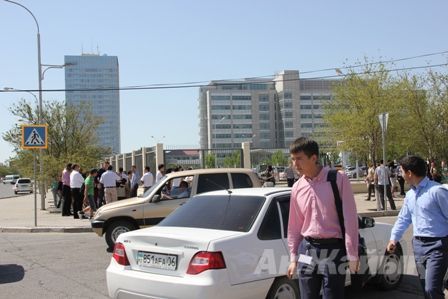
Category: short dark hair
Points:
column 93, row 171
column 110, row 167
column 161, row 166
column 147, row 168
column 415, row 164
column 302, row 144
column 68, row 166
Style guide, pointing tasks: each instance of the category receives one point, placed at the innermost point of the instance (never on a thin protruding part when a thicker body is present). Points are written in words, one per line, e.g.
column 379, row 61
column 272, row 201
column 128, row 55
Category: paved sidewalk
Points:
column 17, row 215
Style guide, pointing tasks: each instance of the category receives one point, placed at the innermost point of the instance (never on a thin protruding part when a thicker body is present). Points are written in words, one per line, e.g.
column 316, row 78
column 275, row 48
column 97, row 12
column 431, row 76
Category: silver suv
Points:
column 166, row 195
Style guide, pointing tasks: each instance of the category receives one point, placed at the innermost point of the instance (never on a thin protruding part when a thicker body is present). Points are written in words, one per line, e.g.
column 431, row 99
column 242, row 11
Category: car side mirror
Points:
column 155, row 198
column 367, row 222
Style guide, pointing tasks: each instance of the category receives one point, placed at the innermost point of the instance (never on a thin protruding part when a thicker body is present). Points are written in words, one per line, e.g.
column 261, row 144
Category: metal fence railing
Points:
column 203, row 158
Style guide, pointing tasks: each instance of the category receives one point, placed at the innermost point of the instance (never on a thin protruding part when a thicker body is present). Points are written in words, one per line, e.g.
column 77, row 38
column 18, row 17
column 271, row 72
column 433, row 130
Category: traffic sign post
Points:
column 35, row 137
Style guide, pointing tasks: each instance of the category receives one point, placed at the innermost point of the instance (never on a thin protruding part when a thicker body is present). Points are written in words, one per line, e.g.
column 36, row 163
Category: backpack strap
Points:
column 331, row 177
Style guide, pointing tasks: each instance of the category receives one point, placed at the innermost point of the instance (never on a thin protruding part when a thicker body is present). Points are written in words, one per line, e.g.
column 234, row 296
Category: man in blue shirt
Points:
column 426, row 207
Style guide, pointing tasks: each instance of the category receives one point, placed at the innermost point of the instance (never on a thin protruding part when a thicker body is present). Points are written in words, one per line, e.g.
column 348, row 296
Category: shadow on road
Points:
column 409, row 287
column 11, row 273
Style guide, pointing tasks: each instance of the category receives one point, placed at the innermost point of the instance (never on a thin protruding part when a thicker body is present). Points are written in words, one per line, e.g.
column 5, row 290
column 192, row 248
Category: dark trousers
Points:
column 371, row 190
column 66, row 206
column 290, row 182
column 134, row 190
column 327, row 271
column 389, row 196
column 100, row 196
column 77, row 202
column 431, row 258
column 401, row 182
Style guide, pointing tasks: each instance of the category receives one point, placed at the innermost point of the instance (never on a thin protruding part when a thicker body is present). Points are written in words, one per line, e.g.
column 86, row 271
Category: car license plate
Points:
column 157, row 260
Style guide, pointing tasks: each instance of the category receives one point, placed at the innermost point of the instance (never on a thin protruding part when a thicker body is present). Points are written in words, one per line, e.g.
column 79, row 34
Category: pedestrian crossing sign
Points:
column 34, row 136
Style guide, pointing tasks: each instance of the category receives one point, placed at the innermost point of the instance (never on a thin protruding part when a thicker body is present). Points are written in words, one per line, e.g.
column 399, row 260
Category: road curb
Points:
column 45, row 229
column 379, row 213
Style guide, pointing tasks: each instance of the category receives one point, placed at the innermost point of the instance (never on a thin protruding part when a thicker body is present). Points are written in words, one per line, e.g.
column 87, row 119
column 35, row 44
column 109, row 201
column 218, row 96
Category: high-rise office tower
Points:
column 267, row 112
column 94, row 79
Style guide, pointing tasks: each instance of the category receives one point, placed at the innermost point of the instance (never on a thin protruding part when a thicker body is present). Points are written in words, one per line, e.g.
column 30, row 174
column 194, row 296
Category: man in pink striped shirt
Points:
column 318, row 250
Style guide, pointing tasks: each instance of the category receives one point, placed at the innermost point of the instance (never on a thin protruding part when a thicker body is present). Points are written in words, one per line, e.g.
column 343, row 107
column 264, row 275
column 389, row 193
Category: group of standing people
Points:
column 81, row 194
column 323, row 236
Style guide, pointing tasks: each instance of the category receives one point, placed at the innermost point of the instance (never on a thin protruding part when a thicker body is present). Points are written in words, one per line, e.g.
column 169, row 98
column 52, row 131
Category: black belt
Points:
column 324, row 241
column 429, row 239
column 111, row 187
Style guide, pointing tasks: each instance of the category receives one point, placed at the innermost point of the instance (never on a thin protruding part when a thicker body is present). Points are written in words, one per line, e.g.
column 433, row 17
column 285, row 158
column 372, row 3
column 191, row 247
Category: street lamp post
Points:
column 39, row 116
column 40, row 75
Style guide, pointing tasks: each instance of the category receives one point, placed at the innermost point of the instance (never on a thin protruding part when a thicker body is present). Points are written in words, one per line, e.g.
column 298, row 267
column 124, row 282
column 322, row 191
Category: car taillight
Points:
column 205, row 260
column 120, row 254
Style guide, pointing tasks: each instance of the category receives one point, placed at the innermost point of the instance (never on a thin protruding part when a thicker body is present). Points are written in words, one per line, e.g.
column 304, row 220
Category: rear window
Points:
column 234, row 213
column 241, row 180
column 212, row 182
column 24, row 181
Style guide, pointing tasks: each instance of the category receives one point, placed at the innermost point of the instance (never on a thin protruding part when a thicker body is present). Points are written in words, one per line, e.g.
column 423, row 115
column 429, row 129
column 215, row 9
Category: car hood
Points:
column 122, row 203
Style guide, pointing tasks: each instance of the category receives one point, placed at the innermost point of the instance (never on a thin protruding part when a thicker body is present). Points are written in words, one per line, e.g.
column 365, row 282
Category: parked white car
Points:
column 23, row 185
column 227, row 244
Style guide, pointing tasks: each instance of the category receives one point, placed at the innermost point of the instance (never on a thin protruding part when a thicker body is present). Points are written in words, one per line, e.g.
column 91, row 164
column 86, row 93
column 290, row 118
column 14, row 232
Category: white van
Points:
column 11, row 178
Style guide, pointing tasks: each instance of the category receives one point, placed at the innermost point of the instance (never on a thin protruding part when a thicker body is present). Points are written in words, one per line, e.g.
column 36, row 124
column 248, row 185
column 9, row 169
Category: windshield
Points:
column 24, row 181
column 223, row 212
column 154, row 187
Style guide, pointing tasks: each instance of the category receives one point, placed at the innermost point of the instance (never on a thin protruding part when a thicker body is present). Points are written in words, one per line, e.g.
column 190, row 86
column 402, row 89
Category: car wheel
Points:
column 115, row 229
column 391, row 271
column 284, row 288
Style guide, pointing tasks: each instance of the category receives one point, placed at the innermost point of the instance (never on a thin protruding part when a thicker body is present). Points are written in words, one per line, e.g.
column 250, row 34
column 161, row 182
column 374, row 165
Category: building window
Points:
column 306, row 125
column 264, row 116
column 241, row 98
column 263, row 98
column 287, row 105
column 287, row 95
column 220, row 98
column 305, row 98
column 242, row 107
column 263, row 107
column 288, row 114
column 220, row 107
column 264, row 126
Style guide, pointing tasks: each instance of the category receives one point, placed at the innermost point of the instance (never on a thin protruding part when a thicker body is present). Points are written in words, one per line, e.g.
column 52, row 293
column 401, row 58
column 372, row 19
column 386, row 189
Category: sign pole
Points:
column 35, row 137
column 35, row 190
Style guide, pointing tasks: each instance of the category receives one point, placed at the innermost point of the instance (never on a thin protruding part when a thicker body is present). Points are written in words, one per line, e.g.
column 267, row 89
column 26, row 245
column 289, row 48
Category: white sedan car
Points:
column 227, row 244
column 23, row 185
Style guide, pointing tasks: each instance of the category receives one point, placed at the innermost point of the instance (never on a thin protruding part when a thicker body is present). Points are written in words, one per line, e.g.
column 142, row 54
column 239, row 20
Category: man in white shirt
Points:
column 109, row 179
column 147, row 179
column 382, row 178
column 160, row 172
column 76, row 181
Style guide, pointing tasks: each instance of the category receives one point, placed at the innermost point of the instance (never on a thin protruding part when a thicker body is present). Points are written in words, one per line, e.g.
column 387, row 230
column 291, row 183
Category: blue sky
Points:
column 183, row 41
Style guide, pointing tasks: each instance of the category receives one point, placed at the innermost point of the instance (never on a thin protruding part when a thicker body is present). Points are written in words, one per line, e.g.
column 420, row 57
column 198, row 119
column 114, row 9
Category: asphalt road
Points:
column 56, row 265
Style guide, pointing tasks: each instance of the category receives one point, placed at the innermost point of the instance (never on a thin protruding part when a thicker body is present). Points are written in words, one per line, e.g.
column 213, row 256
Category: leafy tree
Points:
column 234, row 160
column 279, row 158
column 71, row 137
column 210, row 160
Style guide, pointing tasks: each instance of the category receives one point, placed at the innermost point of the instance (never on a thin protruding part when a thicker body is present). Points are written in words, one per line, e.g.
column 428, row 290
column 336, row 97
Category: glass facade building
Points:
column 86, row 77
column 268, row 113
